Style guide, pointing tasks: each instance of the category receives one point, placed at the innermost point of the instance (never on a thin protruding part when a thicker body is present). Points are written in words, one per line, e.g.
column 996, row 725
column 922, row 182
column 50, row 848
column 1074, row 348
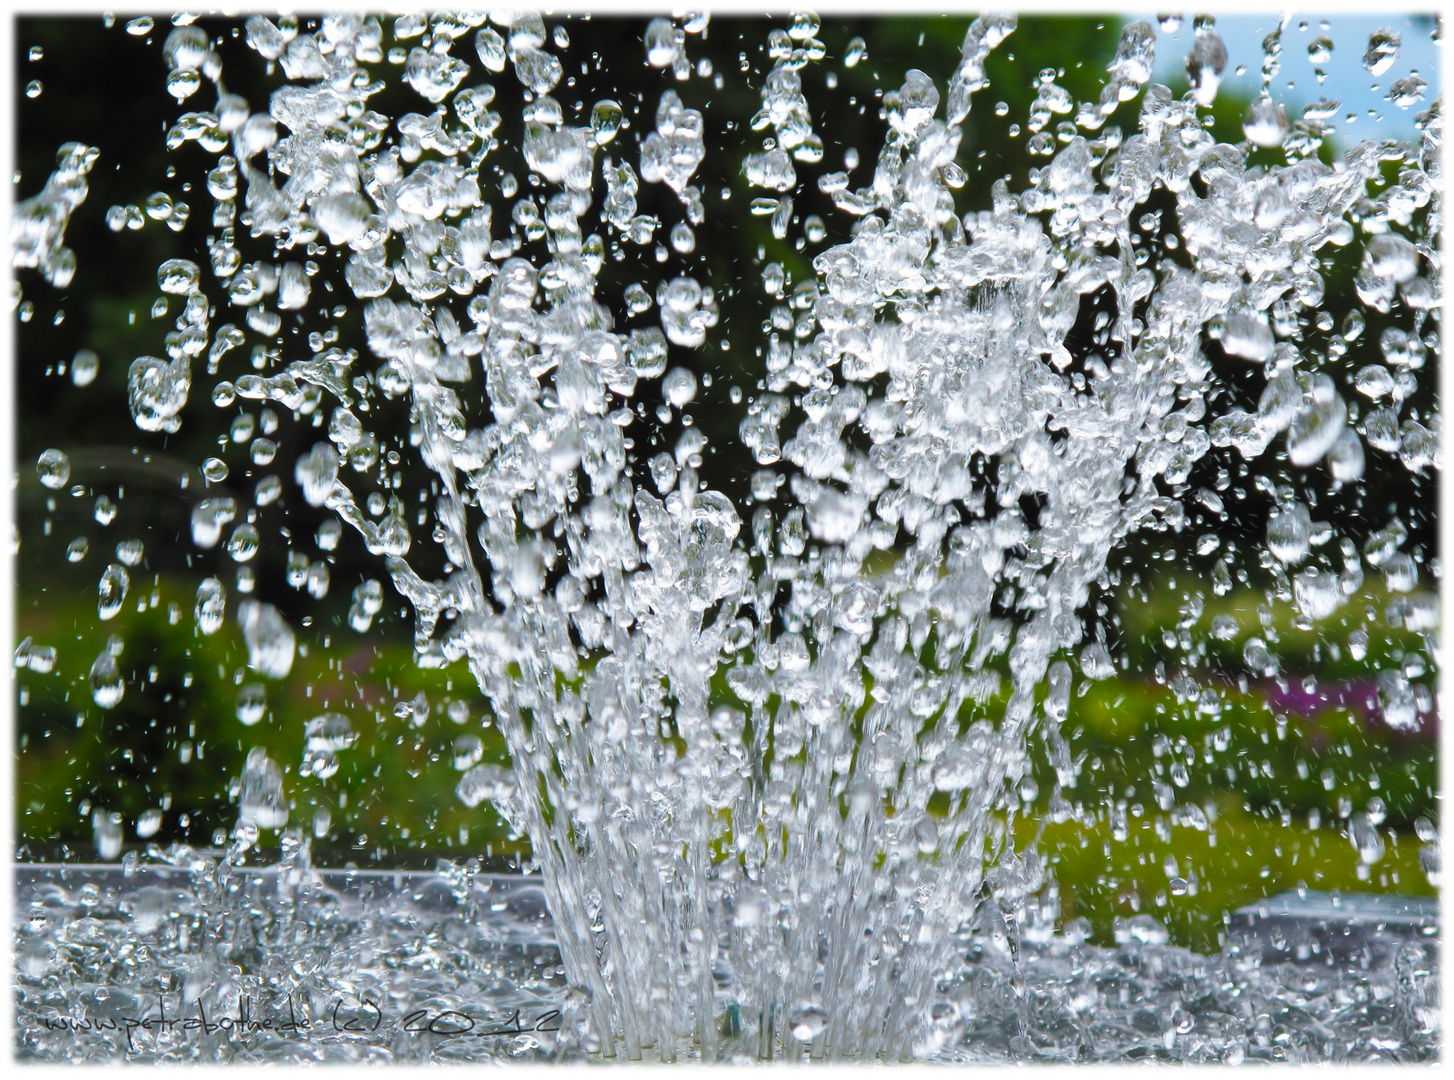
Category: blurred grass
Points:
column 1239, row 859
column 394, row 788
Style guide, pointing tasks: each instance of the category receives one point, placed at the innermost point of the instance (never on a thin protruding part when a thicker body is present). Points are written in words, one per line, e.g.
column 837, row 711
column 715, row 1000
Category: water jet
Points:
column 784, row 462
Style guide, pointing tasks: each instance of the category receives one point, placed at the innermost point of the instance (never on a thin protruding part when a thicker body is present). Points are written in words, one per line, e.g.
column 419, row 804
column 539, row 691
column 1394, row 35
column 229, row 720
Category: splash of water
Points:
column 762, row 767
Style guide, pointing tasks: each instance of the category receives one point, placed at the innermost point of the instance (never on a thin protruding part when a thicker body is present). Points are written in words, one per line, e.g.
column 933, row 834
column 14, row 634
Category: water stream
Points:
column 769, row 748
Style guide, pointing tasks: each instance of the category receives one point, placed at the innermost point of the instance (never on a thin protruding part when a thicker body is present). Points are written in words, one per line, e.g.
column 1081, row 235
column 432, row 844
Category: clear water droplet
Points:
column 252, row 703
column 262, row 801
column 112, row 592
column 1382, row 51
column 606, row 118
column 107, row 685
column 211, row 606
column 85, row 366
column 269, row 638
column 54, row 469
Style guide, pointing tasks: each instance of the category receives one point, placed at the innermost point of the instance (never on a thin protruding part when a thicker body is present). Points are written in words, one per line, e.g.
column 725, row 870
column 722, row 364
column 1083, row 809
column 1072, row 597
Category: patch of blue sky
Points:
column 1364, row 111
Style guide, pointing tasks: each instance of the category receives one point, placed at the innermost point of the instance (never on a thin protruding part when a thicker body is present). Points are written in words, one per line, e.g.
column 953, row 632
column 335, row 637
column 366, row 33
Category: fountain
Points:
column 788, row 739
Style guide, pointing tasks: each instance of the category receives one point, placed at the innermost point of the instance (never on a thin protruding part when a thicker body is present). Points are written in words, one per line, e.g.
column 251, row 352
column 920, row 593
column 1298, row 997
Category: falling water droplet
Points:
column 270, row 641
column 148, row 823
column 661, row 43
column 467, row 751
column 484, row 783
column 1265, row 123
column 178, row 276
column 244, row 542
column 106, row 832
column 262, row 801
column 211, row 605
column 84, row 367
column 679, row 387
column 606, row 118
column 1382, row 51
column 54, row 469
column 1205, row 64
column 252, row 703
column 114, row 583
column 107, row 686
column 329, row 731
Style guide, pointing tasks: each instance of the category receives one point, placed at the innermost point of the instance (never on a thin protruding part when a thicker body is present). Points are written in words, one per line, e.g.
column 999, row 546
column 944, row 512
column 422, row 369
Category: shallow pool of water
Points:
column 290, row 964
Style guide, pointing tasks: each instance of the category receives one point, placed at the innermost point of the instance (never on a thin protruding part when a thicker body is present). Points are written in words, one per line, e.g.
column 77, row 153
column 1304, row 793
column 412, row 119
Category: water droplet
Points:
column 178, row 276
column 107, row 686
column 1345, row 459
column 84, row 367
column 1265, row 123
column 158, row 390
column 1317, row 593
column 208, row 518
column 316, row 472
column 329, row 731
column 261, row 801
column 491, row 48
column 467, row 751
column 54, row 469
column 270, row 642
column 1205, row 64
column 606, row 118
column 1318, row 426
column 962, row 765
column 1407, row 92
column 661, row 43
column 106, row 831
column 148, row 823
column 537, row 70
column 185, row 48
column 1257, row 656
column 679, row 387
column 243, row 544
column 183, row 84
column 343, row 216
column 130, row 552
column 211, row 605
column 252, row 702
column 1389, row 255
column 1367, row 840
column 485, row 783
column 1382, row 51
column 114, row 583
